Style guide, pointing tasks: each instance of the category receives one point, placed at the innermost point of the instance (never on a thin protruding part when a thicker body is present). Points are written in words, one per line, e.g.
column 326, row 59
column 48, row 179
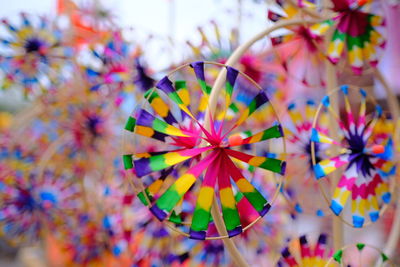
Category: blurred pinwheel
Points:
column 17, row 162
column 298, row 50
column 31, row 205
column 119, row 69
column 354, row 29
column 300, row 170
column 367, row 167
column 302, row 253
column 114, row 61
column 172, row 119
column 34, row 55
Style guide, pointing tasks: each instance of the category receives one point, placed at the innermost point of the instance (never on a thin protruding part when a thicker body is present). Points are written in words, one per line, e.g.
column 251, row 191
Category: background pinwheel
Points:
column 35, row 54
column 302, row 252
column 360, row 254
column 300, row 186
column 356, row 30
column 363, row 162
column 32, row 205
column 114, row 69
column 297, row 50
column 175, row 115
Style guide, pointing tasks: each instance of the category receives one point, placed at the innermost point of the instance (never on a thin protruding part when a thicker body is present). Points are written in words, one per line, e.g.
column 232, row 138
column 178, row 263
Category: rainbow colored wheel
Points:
column 360, row 155
column 181, row 153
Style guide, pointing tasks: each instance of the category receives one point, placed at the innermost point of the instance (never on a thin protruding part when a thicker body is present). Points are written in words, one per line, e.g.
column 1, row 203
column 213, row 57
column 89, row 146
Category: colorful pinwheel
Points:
column 172, row 119
column 302, row 253
column 300, row 185
column 354, row 29
column 298, row 51
column 31, row 205
column 34, row 55
column 367, row 165
column 360, row 254
column 116, row 67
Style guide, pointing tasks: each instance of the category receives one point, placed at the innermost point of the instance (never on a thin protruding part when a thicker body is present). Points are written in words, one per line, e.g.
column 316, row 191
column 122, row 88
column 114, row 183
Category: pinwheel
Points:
column 366, row 177
column 354, row 29
column 298, row 51
column 115, row 64
column 17, row 162
column 301, row 253
column 360, row 254
column 171, row 118
column 34, row 55
column 31, row 205
column 300, row 171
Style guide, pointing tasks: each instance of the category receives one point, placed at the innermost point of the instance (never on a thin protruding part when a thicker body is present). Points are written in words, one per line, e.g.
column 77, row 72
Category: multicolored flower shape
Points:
column 176, row 116
column 366, row 158
column 34, row 55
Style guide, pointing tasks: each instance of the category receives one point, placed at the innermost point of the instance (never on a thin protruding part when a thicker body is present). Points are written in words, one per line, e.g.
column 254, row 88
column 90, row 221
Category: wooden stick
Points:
column 394, row 107
column 216, row 90
column 331, row 84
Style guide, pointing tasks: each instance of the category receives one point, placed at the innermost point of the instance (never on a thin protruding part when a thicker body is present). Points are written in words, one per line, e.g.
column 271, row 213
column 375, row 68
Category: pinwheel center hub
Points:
column 93, row 124
column 358, row 156
column 25, row 201
column 34, row 45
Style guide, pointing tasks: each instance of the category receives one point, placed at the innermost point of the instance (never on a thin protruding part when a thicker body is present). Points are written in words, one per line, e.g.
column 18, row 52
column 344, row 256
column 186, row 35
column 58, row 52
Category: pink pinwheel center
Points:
column 188, row 142
column 310, row 40
column 118, row 68
column 250, row 67
column 353, row 22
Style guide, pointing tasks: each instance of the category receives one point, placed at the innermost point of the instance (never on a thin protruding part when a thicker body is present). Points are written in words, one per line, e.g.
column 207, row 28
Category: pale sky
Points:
column 153, row 16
